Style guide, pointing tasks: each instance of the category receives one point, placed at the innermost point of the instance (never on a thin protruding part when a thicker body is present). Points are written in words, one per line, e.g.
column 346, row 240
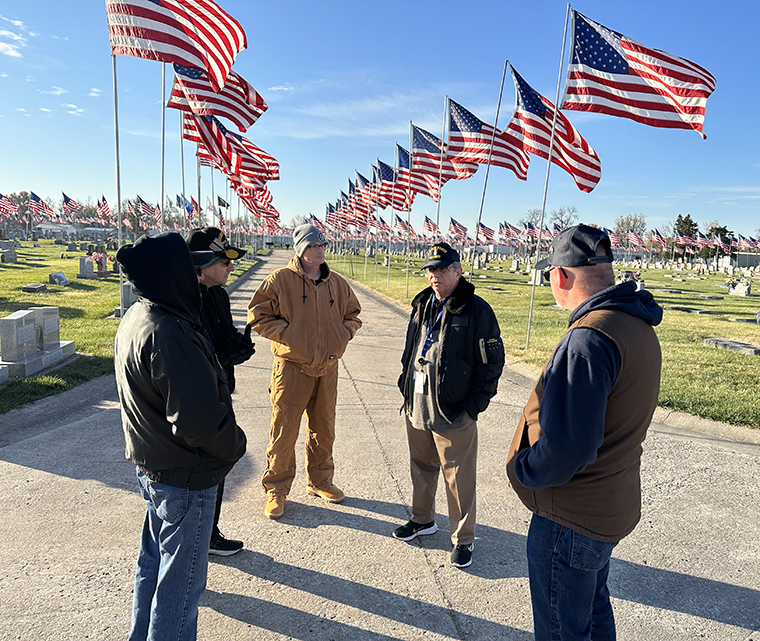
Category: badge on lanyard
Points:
column 420, row 381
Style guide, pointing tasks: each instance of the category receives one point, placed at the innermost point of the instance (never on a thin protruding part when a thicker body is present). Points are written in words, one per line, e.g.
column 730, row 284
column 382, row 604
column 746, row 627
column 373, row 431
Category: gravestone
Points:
column 741, row 289
column 35, row 288
column 85, row 268
column 36, row 245
column 3, row 374
column 72, row 247
column 128, row 298
column 58, row 278
column 30, row 341
column 734, row 346
column 8, row 252
column 82, row 247
column 537, row 278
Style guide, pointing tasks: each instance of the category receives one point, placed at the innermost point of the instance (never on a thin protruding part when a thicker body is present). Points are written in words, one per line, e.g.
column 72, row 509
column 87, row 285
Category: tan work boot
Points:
column 331, row 494
column 275, row 506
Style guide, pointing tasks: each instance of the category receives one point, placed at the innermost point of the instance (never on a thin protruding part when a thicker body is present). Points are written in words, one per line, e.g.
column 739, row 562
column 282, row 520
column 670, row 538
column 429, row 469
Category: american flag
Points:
column 382, row 225
column 718, row 242
column 159, row 217
column 743, row 243
column 400, row 224
column 38, row 206
column 457, row 229
column 189, row 128
column 610, row 73
column 387, row 180
column 529, row 230
column 427, row 162
column 195, row 33
column 404, row 190
column 127, row 222
column 317, row 223
column 700, row 240
column 486, row 232
column 634, row 239
column 71, row 206
column 103, row 208
column 657, row 237
column 614, row 238
column 212, row 135
column 430, row 226
column 531, row 124
column 7, row 206
column 470, row 141
column 363, row 191
column 238, row 101
column 145, row 208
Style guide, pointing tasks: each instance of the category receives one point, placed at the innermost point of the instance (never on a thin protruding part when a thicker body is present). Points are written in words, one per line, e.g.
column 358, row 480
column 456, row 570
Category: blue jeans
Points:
column 568, row 584
column 173, row 561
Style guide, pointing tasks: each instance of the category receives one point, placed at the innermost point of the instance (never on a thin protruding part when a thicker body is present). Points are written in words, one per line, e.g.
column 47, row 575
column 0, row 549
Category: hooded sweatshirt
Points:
column 175, row 405
column 576, row 454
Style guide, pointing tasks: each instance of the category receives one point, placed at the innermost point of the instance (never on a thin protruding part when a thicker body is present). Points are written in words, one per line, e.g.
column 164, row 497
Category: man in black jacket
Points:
column 231, row 347
column 452, row 362
column 180, row 432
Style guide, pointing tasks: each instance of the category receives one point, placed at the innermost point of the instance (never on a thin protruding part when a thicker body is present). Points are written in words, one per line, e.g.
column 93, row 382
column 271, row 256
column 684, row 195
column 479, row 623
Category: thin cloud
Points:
column 95, row 92
column 73, row 109
column 7, row 49
column 3, row 75
column 285, row 87
column 45, row 110
column 55, row 91
column 20, row 109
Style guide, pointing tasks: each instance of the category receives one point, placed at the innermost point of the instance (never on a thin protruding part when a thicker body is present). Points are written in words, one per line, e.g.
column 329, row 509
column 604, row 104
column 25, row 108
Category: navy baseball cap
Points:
column 576, row 247
column 441, row 255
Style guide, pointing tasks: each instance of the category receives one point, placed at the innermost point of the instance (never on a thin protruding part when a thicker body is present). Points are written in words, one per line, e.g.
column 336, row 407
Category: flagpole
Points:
column 182, row 163
column 488, row 168
column 198, row 173
column 546, row 180
column 443, row 154
column 118, row 181
column 409, row 211
column 163, row 135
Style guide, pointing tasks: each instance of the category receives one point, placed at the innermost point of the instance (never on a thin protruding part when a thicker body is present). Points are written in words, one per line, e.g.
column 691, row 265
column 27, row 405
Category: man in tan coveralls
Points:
column 309, row 313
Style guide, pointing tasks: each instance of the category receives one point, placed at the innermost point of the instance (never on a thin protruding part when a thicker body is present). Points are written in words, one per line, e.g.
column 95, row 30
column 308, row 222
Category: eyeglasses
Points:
column 433, row 270
column 318, row 246
column 226, row 262
column 548, row 272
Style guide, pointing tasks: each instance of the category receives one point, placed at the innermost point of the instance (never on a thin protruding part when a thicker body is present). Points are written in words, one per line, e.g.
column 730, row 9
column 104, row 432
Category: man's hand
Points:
column 239, row 349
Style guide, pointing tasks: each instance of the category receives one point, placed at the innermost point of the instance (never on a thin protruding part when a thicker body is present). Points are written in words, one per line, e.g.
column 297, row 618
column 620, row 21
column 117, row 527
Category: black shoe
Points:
column 461, row 556
column 412, row 530
column 224, row 547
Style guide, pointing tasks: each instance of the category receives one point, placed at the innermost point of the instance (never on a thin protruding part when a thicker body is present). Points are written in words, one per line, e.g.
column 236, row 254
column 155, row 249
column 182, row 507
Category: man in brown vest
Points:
column 575, row 458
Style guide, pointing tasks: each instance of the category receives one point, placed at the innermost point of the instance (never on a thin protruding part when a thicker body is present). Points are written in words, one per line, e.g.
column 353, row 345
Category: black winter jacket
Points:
column 175, row 404
column 472, row 354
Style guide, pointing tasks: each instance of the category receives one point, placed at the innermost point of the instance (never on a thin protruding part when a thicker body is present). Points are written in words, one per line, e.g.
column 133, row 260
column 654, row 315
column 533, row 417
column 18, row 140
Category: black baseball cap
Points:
column 576, row 247
column 441, row 255
column 213, row 239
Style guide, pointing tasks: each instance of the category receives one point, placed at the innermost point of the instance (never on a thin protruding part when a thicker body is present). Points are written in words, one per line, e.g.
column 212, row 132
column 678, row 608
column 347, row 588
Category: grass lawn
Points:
column 84, row 309
column 704, row 381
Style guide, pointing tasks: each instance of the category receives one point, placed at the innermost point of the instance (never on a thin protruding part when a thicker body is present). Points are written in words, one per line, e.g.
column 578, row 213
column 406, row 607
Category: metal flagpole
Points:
column 546, row 181
column 198, row 173
column 213, row 198
column 163, row 136
column 182, row 162
column 409, row 211
column 118, row 181
column 443, row 155
column 488, row 167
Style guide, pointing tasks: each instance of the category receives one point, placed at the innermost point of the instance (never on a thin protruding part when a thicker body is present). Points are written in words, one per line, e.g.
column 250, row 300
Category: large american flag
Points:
column 195, row 33
column 470, row 141
column 212, row 135
column 531, row 123
column 612, row 74
column 407, row 184
column 363, row 191
column 614, row 238
column 7, row 206
column 71, row 206
column 387, row 177
column 457, row 229
column 427, row 163
column 718, row 242
column 238, row 101
column 634, row 239
column 700, row 240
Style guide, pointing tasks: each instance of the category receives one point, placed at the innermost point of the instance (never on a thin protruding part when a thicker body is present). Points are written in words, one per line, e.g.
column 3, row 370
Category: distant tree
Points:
column 686, row 225
column 532, row 216
column 299, row 219
column 636, row 222
column 22, row 200
column 564, row 216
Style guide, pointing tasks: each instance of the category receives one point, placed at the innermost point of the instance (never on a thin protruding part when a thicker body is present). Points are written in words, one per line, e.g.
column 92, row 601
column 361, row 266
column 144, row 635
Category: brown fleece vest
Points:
column 604, row 500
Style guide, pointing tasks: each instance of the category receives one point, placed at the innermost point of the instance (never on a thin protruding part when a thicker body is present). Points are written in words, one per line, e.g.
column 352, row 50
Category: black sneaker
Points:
column 412, row 530
column 224, row 547
column 461, row 556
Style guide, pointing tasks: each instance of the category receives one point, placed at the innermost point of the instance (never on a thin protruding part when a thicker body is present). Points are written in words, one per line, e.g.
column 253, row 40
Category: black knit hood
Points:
column 161, row 271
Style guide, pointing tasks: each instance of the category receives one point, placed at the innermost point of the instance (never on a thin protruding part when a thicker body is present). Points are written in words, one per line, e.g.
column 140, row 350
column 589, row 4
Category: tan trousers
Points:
column 456, row 452
column 293, row 393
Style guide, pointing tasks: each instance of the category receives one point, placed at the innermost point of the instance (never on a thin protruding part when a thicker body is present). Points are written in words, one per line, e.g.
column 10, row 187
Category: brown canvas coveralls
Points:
column 309, row 324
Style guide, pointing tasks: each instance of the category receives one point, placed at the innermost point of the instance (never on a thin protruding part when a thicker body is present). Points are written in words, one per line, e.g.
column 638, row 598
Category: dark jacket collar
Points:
column 462, row 294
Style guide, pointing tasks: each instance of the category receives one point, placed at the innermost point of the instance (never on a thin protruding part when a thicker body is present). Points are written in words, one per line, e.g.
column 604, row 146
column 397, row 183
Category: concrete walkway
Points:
column 72, row 516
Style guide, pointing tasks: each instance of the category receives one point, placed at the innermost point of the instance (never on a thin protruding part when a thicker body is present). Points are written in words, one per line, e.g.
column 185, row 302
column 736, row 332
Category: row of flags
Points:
column 693, row 244
column 608, row 73
column 202, row 42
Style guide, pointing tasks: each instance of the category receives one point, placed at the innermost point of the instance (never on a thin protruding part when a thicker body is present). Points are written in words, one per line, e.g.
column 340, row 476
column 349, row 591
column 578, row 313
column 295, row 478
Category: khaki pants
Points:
column 293, row 393
column 456, row 452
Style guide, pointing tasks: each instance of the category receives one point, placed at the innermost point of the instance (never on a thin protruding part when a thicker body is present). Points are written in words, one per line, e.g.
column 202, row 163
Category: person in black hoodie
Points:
column 231, row 346
column 179, row 429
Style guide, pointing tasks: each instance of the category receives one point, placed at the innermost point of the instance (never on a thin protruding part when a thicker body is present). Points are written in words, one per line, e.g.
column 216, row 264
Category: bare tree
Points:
column 636, row 222
column 532, row 216
column 297, row 220
column 564, row 217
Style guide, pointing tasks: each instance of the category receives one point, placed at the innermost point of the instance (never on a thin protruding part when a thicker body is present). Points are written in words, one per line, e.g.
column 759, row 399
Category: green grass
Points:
column 707, row 382
column 84, row 310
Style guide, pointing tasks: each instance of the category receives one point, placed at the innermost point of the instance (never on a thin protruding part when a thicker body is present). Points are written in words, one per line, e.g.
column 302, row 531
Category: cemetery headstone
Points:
column 58, row 278
column 34, row 288
column 72, row 247
column 85, row 268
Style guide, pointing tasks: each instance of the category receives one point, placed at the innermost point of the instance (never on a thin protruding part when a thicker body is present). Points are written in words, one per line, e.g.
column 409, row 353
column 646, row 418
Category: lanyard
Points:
column 431, row 327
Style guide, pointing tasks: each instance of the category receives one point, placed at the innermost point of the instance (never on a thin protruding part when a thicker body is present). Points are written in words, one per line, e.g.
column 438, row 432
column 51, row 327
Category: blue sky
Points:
column 343, row 80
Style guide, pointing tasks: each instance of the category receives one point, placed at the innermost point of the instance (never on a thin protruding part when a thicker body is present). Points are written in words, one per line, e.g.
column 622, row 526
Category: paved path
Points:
column 69, row 534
